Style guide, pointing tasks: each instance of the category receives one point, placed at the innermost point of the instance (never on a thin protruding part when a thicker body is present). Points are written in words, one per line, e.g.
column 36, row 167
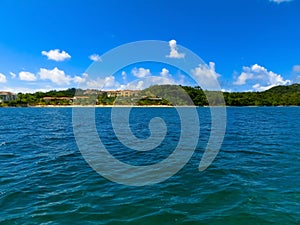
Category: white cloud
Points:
column 108, row 82
column 263, row 78
column 56, row 55
column 174, row 51
column 80, row 79
column 27, row 76
column 144, row 79
column 55, row 75
column 206, row 75
column 226, row 90
column 182, row 80
column 246, row 75
column 280, row 1
column 165, row 73
column 17, row 89
column 147, row 82
column 2, row 78
column 124, row 75
column 13, row 75
column 141, row 72
column 134, row 85
column 159, row 80
column 95, row 58
column 296, row 69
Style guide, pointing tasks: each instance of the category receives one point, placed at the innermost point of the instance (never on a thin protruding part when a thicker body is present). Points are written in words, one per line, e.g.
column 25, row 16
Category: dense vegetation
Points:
column 37, row 98
column 276, row 96
column 166, row 95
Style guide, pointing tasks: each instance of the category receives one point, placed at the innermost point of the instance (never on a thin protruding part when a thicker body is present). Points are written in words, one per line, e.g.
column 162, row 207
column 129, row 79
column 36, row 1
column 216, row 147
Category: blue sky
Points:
column 248, row 45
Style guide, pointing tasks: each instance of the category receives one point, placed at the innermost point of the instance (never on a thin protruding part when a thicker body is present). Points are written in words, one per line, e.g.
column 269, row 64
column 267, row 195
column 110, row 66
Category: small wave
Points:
column 7, row 154
column 2, row 143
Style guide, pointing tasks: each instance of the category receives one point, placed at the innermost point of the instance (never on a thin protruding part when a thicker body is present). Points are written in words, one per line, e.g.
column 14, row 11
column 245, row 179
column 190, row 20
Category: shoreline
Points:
column 108, row 106
column 139, row 106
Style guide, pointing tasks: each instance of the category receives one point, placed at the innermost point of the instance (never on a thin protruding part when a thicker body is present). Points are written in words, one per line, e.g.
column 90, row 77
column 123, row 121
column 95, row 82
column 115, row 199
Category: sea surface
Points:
column 255, row 178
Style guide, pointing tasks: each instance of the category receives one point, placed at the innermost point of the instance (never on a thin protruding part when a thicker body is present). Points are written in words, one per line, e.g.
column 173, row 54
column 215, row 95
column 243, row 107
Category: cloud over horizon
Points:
column 206, row 75
column 260, row 78
column 55, row 75
column 108, row 82
column 142, row 78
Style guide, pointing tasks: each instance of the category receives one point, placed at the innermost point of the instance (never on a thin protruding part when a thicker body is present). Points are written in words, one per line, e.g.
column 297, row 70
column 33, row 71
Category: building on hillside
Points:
column 77, row 100
column 70, row 99
column 48, row 99
column 81, row 97
column 92, row 92
column 122, row 93
column 6, row 96
column 113, row 93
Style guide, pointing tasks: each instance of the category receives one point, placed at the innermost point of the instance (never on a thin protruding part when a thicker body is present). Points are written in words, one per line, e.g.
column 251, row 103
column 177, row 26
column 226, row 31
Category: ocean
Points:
column 255, row 178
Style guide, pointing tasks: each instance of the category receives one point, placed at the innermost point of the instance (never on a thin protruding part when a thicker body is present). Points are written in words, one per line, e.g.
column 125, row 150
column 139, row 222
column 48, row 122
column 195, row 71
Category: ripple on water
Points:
column 254, row 179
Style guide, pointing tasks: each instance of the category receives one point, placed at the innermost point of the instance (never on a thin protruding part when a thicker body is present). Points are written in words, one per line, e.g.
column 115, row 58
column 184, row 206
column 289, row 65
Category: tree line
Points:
column 276, row 96
column 166, row 95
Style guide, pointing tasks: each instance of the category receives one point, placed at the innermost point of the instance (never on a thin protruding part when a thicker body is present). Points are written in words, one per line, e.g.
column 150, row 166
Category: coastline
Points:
column 141, row 106
column 107, row 106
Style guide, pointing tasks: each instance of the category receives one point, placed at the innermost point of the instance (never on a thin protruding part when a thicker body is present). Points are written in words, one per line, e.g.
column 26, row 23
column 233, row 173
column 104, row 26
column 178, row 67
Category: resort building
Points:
column 70, row 99
column 48, row 99
column 122, row 93
column 7, row 96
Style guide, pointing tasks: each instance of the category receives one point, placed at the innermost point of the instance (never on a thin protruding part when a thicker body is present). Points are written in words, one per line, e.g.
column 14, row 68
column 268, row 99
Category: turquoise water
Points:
column 255, row 178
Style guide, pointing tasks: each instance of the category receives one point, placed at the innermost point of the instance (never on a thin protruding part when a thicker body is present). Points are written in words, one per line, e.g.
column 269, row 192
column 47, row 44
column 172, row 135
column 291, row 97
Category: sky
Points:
column 247, row 45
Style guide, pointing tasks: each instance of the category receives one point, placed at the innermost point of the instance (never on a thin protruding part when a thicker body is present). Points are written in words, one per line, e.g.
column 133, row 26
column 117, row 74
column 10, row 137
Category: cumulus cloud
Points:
column 80, row 79
column 144, row 79
column 108, row 82
column 136, row 85
column 174, row 51
column 147, row 82
column 95, row 58
column 244, row 76
column 124, row 75
column 262, row 78
column 56, row 75
column 165, row 73
column 206, row 75
column 280, row 1
column 296, row 69
column 226, row 90
column 13, row 75
column 2, row 78
column 27, row 76
column 140, row 72
column 56, row 55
